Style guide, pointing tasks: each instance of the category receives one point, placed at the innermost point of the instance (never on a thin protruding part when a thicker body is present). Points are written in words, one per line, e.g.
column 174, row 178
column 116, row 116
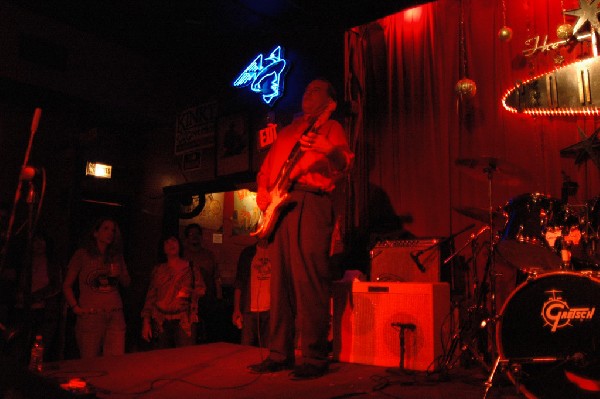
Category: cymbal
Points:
column 481, row 167
column 483, row 215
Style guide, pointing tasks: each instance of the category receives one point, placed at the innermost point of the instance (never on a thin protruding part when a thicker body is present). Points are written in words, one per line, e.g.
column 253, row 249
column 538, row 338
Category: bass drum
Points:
column 549, row 333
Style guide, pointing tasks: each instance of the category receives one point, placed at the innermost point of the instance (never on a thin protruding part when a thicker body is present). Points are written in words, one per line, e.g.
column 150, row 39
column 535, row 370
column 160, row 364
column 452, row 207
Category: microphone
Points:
column 36, row 119
column 28, row 173
column 415, row 258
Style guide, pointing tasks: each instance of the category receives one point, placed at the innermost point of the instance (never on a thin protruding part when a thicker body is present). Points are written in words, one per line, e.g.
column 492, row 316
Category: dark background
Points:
column 110, row 78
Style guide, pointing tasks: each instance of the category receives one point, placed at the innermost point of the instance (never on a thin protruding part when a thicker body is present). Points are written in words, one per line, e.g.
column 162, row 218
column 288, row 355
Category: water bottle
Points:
column 36, row 362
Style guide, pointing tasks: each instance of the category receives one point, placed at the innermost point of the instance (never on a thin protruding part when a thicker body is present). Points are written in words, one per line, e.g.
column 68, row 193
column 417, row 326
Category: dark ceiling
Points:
column 185, row 31
column 202, row 44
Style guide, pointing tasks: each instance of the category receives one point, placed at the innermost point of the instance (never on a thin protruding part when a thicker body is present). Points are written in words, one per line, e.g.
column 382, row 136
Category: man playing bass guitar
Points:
column 301, row 169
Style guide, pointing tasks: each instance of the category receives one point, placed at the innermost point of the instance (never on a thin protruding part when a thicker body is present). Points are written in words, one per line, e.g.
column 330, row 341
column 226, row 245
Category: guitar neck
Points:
column 283, row 182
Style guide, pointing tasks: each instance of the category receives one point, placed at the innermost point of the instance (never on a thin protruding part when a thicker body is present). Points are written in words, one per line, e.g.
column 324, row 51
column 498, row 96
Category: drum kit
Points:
column 543, row 272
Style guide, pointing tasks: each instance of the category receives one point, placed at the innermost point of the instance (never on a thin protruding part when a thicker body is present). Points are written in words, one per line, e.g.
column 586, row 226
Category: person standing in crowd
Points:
column 170, row 313
column 208, row 308
column 251, row 295
column 300, row 247
column 99, row 268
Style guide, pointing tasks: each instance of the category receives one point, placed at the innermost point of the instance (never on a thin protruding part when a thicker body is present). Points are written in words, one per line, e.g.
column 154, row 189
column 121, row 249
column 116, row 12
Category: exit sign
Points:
column 98, row 170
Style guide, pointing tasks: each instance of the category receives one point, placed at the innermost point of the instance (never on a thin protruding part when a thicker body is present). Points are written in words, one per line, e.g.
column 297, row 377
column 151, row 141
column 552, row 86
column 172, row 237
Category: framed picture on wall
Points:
column 191, row 161
column 233, row 150
column 246, row 213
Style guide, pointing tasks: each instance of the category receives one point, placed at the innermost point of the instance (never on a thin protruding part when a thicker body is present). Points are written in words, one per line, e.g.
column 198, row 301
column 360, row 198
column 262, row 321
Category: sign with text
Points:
column 195, row 128
column 267, row 136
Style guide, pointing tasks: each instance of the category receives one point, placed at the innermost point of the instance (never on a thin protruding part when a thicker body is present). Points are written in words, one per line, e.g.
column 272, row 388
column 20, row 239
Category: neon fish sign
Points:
column 265, row 76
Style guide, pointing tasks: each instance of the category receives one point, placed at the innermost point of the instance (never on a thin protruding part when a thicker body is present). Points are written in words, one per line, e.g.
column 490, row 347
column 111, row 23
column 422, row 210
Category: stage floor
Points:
column 219, row 371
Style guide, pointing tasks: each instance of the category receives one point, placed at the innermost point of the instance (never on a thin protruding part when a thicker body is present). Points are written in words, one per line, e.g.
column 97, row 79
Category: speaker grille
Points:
column 363, row 317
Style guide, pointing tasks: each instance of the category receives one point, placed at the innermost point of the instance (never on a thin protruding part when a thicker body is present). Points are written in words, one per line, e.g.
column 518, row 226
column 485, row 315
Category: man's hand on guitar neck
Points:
column 315, row 142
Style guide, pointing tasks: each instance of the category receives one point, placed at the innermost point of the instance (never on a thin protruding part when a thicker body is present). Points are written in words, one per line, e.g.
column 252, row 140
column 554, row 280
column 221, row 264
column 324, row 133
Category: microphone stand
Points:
column 417, row 254
column 34, row 125
column 473, row 238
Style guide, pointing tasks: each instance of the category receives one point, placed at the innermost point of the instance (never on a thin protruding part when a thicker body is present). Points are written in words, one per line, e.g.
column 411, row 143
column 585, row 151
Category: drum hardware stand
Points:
column 477, row 309
column 503, row 364
column 515, row 366
column 415, row 255
column 473, row 242
column 458, row 341
column 489, row 382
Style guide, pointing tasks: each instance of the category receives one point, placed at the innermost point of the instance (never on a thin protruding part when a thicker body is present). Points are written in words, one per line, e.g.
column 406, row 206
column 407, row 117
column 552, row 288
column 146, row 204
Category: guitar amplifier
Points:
column 366, row 316
column 396, row 260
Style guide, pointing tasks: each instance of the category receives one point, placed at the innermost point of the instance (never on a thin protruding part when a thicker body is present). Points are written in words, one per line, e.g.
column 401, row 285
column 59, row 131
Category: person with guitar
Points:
column 294, row 184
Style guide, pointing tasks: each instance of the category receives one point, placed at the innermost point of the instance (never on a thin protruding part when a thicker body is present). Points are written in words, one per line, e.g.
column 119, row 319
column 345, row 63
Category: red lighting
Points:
column 413, row 14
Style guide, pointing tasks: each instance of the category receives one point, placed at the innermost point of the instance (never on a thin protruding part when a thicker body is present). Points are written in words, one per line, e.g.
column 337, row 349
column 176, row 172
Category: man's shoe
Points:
column 308, row 371
column 270, row 366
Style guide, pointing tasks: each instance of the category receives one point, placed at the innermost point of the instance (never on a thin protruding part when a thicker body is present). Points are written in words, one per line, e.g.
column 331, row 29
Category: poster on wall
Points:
column 195, row 128
column 211, row 216
column 245, row 212
column 233, row 153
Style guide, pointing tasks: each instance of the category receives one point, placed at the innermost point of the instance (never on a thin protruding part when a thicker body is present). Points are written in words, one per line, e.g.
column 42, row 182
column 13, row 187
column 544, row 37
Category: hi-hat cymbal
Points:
column 483, row 215
column 484, row 167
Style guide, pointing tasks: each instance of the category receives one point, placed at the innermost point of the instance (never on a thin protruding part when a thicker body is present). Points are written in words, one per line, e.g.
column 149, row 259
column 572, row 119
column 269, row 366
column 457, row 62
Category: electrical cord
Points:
column 155, row 381
column 85, row 376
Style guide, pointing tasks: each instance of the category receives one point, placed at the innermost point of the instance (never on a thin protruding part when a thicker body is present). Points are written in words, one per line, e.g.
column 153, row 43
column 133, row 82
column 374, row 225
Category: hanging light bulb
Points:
column 465, row 88
column 505, row 34
column 564, row 31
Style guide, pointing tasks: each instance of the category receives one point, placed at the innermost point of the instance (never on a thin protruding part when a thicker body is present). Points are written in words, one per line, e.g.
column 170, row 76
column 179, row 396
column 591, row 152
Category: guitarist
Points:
column 300, row 243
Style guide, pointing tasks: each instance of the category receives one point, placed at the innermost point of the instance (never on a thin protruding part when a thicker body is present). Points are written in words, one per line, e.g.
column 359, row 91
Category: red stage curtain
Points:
column 408, row 127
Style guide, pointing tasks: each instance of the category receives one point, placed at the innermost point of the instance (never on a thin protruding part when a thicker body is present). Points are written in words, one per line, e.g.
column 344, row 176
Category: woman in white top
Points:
column 99, row 268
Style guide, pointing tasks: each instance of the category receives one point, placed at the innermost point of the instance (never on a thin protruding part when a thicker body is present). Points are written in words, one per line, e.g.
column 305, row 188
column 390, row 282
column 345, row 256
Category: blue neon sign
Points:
column 265, row 76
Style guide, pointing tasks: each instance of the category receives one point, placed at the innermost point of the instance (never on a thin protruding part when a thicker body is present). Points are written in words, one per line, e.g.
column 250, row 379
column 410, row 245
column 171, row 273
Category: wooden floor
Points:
column 219, row 371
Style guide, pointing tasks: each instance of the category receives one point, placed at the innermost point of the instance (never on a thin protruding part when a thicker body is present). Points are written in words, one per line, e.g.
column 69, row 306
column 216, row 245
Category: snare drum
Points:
column 549, row 334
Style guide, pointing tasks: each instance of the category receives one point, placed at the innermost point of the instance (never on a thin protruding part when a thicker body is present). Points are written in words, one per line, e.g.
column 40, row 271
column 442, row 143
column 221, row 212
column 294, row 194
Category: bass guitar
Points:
column 280, row 192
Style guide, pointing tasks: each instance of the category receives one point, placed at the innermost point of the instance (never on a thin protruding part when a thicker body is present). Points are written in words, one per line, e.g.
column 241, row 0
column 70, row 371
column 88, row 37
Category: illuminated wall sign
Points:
column 98, row 170
column 267, row 136
column 573, row 89
column 568, row 90
column 265, row 76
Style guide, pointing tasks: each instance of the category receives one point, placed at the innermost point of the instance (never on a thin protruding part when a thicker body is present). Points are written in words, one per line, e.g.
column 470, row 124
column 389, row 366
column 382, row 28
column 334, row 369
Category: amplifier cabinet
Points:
column 363, row 314
column 392, row 261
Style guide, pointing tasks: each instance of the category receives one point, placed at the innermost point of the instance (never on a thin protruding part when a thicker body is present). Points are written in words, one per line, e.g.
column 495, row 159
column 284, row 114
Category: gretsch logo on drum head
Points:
column 557, row 314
